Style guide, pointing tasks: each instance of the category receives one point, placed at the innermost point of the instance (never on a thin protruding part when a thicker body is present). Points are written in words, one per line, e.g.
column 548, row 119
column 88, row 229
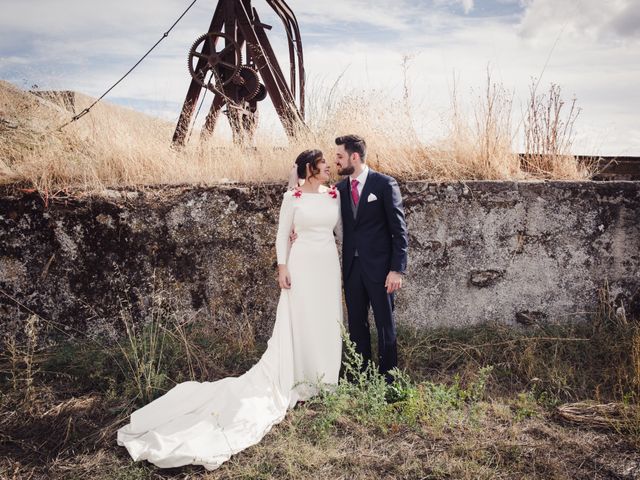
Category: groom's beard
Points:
column 346, row 170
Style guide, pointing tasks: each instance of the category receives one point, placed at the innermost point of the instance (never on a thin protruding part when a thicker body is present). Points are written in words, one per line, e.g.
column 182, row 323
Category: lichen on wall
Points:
column 519, row 253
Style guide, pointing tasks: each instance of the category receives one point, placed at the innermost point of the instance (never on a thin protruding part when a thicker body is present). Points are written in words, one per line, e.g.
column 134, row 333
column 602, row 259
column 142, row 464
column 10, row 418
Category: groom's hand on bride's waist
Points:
column 393, row 282
column 292, row 237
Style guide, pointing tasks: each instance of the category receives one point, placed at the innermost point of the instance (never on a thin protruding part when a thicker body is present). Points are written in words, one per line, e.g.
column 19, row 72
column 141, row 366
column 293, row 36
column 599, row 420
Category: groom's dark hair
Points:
column 353, row 144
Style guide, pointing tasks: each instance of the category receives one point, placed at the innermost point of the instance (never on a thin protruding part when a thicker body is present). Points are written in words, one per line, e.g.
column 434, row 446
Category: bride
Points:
column 205, row 423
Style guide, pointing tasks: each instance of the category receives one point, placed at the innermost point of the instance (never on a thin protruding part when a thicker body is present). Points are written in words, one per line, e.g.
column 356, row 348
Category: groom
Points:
column 374, row 249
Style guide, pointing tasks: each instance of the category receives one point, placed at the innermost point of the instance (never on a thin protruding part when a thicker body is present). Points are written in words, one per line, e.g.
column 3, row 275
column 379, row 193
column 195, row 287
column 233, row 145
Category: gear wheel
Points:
column 248, row 81
column 261, row 95
column 223, row 71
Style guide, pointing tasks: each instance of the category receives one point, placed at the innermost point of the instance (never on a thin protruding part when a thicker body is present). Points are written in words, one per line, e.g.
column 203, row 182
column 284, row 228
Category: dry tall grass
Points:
column 114, row 146
column 480, row 147
column 548, row 134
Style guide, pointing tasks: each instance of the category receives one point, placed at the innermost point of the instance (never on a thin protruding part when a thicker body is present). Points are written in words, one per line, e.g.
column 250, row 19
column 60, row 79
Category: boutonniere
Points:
column 297, row 193
column 333, row 192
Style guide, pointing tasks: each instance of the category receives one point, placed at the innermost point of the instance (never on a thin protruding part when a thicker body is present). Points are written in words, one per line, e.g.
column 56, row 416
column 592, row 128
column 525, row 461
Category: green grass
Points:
column 368, row 400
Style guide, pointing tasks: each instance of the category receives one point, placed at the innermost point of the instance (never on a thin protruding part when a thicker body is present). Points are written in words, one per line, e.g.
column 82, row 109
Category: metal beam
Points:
column 193, row 93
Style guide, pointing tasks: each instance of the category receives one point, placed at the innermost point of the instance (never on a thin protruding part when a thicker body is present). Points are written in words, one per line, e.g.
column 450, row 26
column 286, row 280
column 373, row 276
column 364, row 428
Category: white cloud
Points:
column 375, row 13
column 467, row 5
column 627, row 22
column 8, row 62
column 593, row 19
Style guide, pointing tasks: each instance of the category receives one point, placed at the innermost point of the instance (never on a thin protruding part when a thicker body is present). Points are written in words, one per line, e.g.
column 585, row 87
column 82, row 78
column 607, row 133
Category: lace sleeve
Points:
column 285, row 223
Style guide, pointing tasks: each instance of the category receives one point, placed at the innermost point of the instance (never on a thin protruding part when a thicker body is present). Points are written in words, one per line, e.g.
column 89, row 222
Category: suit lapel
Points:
column 368, row 185
column 345, row 200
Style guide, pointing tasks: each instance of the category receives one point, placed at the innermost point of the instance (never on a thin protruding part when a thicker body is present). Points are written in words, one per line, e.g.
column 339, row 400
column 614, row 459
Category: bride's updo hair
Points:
column 311, row 158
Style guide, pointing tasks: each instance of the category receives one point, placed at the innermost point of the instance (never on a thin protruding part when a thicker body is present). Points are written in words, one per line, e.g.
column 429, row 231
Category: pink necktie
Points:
column 354, row 192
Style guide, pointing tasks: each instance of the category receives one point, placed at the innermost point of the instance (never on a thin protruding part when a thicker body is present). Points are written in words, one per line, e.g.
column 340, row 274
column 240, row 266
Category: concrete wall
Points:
column 512, row 252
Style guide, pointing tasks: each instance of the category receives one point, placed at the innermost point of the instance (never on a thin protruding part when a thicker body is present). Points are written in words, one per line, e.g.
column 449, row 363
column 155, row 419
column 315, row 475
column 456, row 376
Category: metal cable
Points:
column 164, row 35
column 193, row 125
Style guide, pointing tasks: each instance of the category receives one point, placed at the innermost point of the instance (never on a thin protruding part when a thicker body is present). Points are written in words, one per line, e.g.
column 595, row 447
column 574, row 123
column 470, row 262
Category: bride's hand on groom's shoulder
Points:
column 284, row 278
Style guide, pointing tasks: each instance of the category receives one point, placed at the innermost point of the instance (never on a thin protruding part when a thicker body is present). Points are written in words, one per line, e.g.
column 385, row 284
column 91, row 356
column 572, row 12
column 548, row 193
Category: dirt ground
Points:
column 63, row 433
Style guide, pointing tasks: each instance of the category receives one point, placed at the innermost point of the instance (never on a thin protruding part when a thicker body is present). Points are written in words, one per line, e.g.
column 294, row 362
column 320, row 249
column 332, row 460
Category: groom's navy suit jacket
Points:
column 378, row 232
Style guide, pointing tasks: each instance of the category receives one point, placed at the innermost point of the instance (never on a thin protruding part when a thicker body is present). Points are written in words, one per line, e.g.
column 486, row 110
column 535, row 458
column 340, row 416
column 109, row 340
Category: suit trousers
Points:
column 360, row 292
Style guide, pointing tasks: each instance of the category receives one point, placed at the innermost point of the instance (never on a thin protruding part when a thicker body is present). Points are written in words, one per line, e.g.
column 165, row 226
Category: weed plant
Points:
column 364, row 396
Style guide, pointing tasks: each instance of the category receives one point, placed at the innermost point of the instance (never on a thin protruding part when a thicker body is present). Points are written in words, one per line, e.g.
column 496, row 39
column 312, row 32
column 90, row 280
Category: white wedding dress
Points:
column 205, row 423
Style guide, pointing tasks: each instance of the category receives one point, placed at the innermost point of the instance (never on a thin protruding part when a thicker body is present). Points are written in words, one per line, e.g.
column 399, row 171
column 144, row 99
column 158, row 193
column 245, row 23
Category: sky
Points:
column 591, row 49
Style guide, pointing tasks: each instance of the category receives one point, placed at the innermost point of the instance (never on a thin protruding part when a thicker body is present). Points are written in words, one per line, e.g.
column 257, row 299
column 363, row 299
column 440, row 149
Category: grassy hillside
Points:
column 115, row 146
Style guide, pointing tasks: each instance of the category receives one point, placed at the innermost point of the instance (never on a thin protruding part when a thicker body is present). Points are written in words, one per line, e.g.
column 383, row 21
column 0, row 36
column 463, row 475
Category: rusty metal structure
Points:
column 236, row 61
